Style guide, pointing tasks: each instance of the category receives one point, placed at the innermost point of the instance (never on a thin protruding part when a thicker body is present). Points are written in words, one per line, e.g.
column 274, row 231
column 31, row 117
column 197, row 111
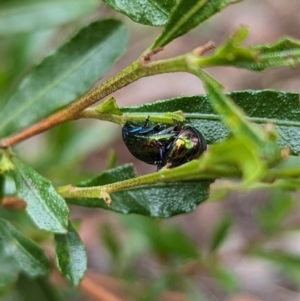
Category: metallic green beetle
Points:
column 162, row 144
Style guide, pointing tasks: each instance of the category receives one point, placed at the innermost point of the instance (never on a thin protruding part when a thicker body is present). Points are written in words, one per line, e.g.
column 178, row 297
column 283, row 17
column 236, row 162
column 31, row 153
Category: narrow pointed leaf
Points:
column 288, row 262
column 44, row 205
column 70, row 255
column 161, row 200
column 277, row 256
column 290, row 167
column 25, row 16
column 232, row 116
column 148, row 12
column 272, row 216
column 187, row 15
column 164, row 239
column 38, row 289
column 279, row 107
column 111, row 241
column 257, row 57
column 220, row 232
column 23, row 253
column 84, row 143
column 65, row 75
column 9, row 271
column 2, row 183
column 244, row 157
column 284, row 52
column 225, row 277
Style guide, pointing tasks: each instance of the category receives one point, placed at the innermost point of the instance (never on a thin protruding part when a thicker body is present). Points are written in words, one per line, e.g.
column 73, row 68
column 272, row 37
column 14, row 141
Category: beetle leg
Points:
column 169, row 145
column 161, row 154
column 139, row 129
column 159, row 166
column 146, row 122
column 149, row 130
column 161, row 149
column 136, row 130
column 145, row 130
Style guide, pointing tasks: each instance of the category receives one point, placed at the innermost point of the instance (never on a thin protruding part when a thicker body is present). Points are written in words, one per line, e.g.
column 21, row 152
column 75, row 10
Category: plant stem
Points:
column 138, row 69
column 167, row 117
column 194, row 170
column 92, row 113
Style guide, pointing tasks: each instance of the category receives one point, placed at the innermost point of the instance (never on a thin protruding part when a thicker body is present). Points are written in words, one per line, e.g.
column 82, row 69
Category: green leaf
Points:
column 39, row 289
column 187, row 15
column 9, row 271
column 276, row 255
column 70, row 255
column 148, row 12
column 109, row 106
column 111, row 241
column 288, row 263
column 225, row 278
column 289, row 167
column 80, row 143
column 2, row 183
column 272, row 216
column 164, row 239
column 232, row 116
column 258, row 105
column 154, row 290
column 44, row 205
column 26, row 16
column 22, row 252
column 16, row 54
column 284, row 52
column 112, row 159
column 244, row 157
column 65, row 75
column 6, row 164
column 220, row 232
column 161, row 200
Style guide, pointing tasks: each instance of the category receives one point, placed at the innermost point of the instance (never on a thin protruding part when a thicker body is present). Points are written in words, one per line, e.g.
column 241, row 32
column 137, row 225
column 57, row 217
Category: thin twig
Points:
column 138, row 69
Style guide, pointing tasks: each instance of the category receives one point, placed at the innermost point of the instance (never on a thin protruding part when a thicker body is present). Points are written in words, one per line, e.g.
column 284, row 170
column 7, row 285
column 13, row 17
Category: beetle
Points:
column 162, row 144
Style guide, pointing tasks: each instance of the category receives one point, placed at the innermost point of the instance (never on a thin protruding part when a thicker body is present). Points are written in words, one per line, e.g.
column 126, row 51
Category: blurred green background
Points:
column 245, row 248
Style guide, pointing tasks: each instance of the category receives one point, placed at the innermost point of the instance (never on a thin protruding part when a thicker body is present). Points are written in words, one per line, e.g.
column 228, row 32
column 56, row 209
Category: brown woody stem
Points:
column 138, row 69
